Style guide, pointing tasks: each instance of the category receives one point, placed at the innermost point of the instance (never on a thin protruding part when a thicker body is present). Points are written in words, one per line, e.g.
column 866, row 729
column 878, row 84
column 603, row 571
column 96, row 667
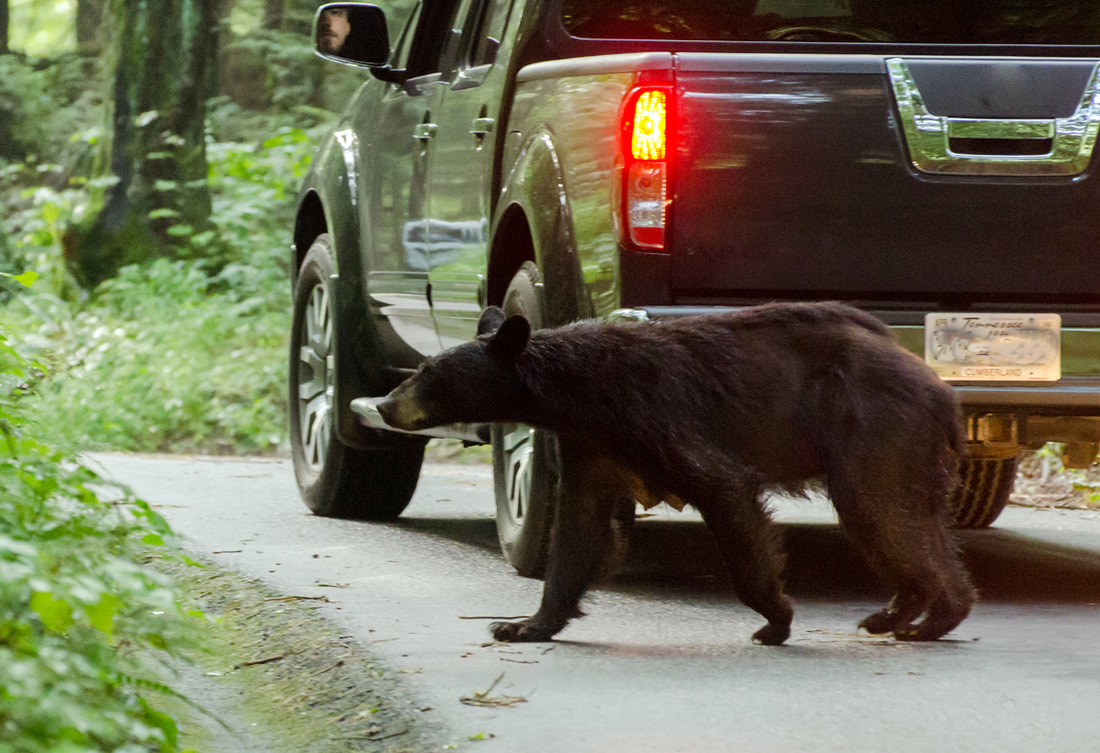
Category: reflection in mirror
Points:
column 352, row 32
column 332, row 30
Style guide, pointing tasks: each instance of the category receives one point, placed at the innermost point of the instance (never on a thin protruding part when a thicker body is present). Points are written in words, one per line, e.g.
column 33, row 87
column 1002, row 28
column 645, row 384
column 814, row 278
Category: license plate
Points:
column 994, row 347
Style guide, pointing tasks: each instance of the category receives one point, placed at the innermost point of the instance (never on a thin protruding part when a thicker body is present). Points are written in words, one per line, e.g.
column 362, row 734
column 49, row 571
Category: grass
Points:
column 164, row 358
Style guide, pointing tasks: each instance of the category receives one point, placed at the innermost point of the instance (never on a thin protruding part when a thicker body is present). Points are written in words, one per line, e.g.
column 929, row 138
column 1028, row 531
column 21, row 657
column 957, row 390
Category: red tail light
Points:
column 646, row 132
column 649, row 133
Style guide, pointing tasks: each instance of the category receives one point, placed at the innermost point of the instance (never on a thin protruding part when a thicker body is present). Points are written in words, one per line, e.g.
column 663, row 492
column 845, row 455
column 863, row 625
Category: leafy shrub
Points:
column 172, row 355
column 36, row 217
column 75, row 604
column 41, row 105
column 168, row 358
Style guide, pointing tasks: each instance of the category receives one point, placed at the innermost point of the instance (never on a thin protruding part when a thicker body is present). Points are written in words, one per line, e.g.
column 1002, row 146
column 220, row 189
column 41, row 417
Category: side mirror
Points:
column 352, row 33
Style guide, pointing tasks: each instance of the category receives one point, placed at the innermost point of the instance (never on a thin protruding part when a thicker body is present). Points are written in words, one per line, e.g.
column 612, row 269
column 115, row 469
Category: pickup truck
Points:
column 929, row 161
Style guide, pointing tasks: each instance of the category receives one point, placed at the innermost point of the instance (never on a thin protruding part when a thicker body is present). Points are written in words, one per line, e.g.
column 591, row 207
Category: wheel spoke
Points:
column 315, row 429
column 312, row 374
column 520, row 446
column 315, row 377
column 318, row 323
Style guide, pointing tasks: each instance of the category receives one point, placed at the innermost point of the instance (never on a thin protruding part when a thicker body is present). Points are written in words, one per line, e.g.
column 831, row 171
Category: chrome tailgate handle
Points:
column 980, row 146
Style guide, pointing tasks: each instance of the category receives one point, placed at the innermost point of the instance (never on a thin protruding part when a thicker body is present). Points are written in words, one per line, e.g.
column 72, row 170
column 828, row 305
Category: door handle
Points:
column 425, row 131
column 482, row 126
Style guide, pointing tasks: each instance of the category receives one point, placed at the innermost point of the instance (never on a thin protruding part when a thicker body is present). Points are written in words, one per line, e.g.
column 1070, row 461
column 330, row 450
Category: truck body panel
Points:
column 931, row 162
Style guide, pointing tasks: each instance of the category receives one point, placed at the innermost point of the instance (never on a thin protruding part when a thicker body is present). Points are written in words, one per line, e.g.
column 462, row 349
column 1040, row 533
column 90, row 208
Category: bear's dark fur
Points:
column 712, row 410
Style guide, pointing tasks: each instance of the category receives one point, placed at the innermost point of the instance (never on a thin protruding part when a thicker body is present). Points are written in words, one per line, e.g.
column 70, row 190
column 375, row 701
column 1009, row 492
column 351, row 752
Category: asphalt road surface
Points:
column 664, row 660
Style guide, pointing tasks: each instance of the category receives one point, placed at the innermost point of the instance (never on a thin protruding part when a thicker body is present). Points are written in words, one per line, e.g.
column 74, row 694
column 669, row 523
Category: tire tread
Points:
column 984, row 490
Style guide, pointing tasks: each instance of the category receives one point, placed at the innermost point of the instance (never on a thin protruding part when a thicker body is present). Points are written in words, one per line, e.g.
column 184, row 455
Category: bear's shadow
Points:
column 678, row 557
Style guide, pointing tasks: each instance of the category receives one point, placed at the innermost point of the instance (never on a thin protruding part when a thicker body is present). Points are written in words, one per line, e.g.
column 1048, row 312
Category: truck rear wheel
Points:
column 986, row 484
column 525, row 460
column 334, row 479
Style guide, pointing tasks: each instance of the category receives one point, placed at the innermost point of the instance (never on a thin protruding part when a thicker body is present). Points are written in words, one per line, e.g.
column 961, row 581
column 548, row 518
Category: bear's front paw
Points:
column 520, row 632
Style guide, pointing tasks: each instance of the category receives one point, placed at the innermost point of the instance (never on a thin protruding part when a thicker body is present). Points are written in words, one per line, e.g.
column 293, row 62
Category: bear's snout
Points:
column 402, row 414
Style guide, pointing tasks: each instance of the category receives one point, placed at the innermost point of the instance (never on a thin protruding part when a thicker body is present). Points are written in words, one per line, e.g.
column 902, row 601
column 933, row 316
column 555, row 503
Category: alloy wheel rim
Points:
column 315, row 378
column 519, row 448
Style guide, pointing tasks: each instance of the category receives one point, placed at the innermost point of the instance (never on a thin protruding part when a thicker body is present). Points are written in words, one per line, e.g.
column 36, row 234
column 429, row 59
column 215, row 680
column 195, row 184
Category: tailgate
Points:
column 939, row 181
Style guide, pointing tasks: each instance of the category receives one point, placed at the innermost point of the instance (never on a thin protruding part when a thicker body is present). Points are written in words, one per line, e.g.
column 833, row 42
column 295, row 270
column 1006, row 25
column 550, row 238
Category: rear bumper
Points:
column 1064, row 411
column 366, row 409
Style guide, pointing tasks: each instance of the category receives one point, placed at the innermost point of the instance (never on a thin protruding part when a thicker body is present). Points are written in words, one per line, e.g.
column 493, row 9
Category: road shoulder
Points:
column 274, row 676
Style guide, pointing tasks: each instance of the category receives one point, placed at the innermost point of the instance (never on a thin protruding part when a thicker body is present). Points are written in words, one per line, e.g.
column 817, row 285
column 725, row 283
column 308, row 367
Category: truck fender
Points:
column 535, row 186
column 329, row 202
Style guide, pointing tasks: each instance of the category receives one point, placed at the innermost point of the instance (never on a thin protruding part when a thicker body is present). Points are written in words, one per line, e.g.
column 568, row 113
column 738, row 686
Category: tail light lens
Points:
column 649, row 132
column 646, row 195
column 645, row 190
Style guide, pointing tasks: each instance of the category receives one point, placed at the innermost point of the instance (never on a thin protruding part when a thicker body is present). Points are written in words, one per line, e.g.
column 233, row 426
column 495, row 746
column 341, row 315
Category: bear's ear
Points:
column 511, row 339
column 490, row 321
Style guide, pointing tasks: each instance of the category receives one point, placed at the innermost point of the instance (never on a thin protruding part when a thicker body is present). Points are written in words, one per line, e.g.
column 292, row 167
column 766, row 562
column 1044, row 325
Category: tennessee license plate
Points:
column 994, row 347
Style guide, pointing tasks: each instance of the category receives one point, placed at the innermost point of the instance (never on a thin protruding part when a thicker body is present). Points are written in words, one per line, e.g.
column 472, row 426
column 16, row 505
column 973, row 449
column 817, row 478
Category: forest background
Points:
column 150, row 154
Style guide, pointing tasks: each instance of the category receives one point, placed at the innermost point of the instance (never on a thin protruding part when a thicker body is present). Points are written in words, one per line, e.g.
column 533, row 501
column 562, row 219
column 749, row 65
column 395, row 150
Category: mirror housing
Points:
column 353, row 34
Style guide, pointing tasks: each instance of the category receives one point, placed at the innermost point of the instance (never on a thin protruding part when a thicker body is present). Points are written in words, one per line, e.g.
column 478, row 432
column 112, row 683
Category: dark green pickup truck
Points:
column 929, row 161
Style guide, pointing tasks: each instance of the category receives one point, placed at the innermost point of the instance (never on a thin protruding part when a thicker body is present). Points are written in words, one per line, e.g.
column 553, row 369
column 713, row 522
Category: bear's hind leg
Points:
column 896, row 519
column 950, row 608
column 906, row 606
column 592, row 489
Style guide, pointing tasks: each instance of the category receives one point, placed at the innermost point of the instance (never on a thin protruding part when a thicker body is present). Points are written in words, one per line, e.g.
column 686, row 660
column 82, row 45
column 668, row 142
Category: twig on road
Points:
column 258, row 662
column 483, row 698
column 372, row 739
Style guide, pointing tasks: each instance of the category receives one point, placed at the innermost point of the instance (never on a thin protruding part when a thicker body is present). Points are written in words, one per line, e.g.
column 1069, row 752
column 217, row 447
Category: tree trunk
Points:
column 164, row 53
column 5, row 23
column 274, row 11
column 89, row 26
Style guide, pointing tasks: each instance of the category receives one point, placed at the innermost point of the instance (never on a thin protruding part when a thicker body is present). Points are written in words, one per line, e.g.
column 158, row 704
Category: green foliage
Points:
column 166, row 357
column 42, row 27
column 173, row 355
column 42, row 105
column 181, row 353
column 37, row 218
column 254, row 177
column 279, row 70
column 75, row 602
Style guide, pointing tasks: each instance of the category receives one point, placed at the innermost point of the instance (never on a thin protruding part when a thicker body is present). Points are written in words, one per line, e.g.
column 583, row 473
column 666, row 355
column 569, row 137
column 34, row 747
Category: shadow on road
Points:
column 679, row 556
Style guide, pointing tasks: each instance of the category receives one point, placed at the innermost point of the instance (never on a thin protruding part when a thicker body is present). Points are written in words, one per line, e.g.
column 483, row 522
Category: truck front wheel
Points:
column 335, row 479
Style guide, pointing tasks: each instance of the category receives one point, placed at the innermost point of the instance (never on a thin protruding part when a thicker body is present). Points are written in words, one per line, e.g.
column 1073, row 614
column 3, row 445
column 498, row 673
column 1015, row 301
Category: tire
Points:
column 334, row 479
column 986, row 484
column 525, row 460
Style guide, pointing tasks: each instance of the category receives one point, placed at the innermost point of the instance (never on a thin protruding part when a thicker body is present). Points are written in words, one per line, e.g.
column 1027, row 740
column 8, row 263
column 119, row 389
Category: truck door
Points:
column 467, row 119
column 399, row 139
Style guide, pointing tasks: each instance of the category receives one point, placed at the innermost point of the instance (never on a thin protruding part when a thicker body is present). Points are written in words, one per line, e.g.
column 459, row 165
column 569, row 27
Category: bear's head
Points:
column 476, row 382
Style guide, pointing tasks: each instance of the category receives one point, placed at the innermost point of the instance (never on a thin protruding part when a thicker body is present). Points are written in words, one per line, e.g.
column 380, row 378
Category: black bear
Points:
column 712, row 410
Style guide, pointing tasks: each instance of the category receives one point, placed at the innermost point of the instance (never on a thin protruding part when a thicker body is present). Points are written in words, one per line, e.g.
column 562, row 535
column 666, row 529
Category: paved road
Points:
column 663, row 662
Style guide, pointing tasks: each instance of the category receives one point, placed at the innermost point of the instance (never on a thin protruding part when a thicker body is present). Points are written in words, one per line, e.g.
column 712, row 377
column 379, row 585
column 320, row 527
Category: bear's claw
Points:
column 520, row 632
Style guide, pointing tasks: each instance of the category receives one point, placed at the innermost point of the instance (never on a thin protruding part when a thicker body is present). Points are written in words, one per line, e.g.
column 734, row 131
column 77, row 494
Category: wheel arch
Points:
column 535, row 223
column 309, row 223
column 512, row 245
column 329, row 204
